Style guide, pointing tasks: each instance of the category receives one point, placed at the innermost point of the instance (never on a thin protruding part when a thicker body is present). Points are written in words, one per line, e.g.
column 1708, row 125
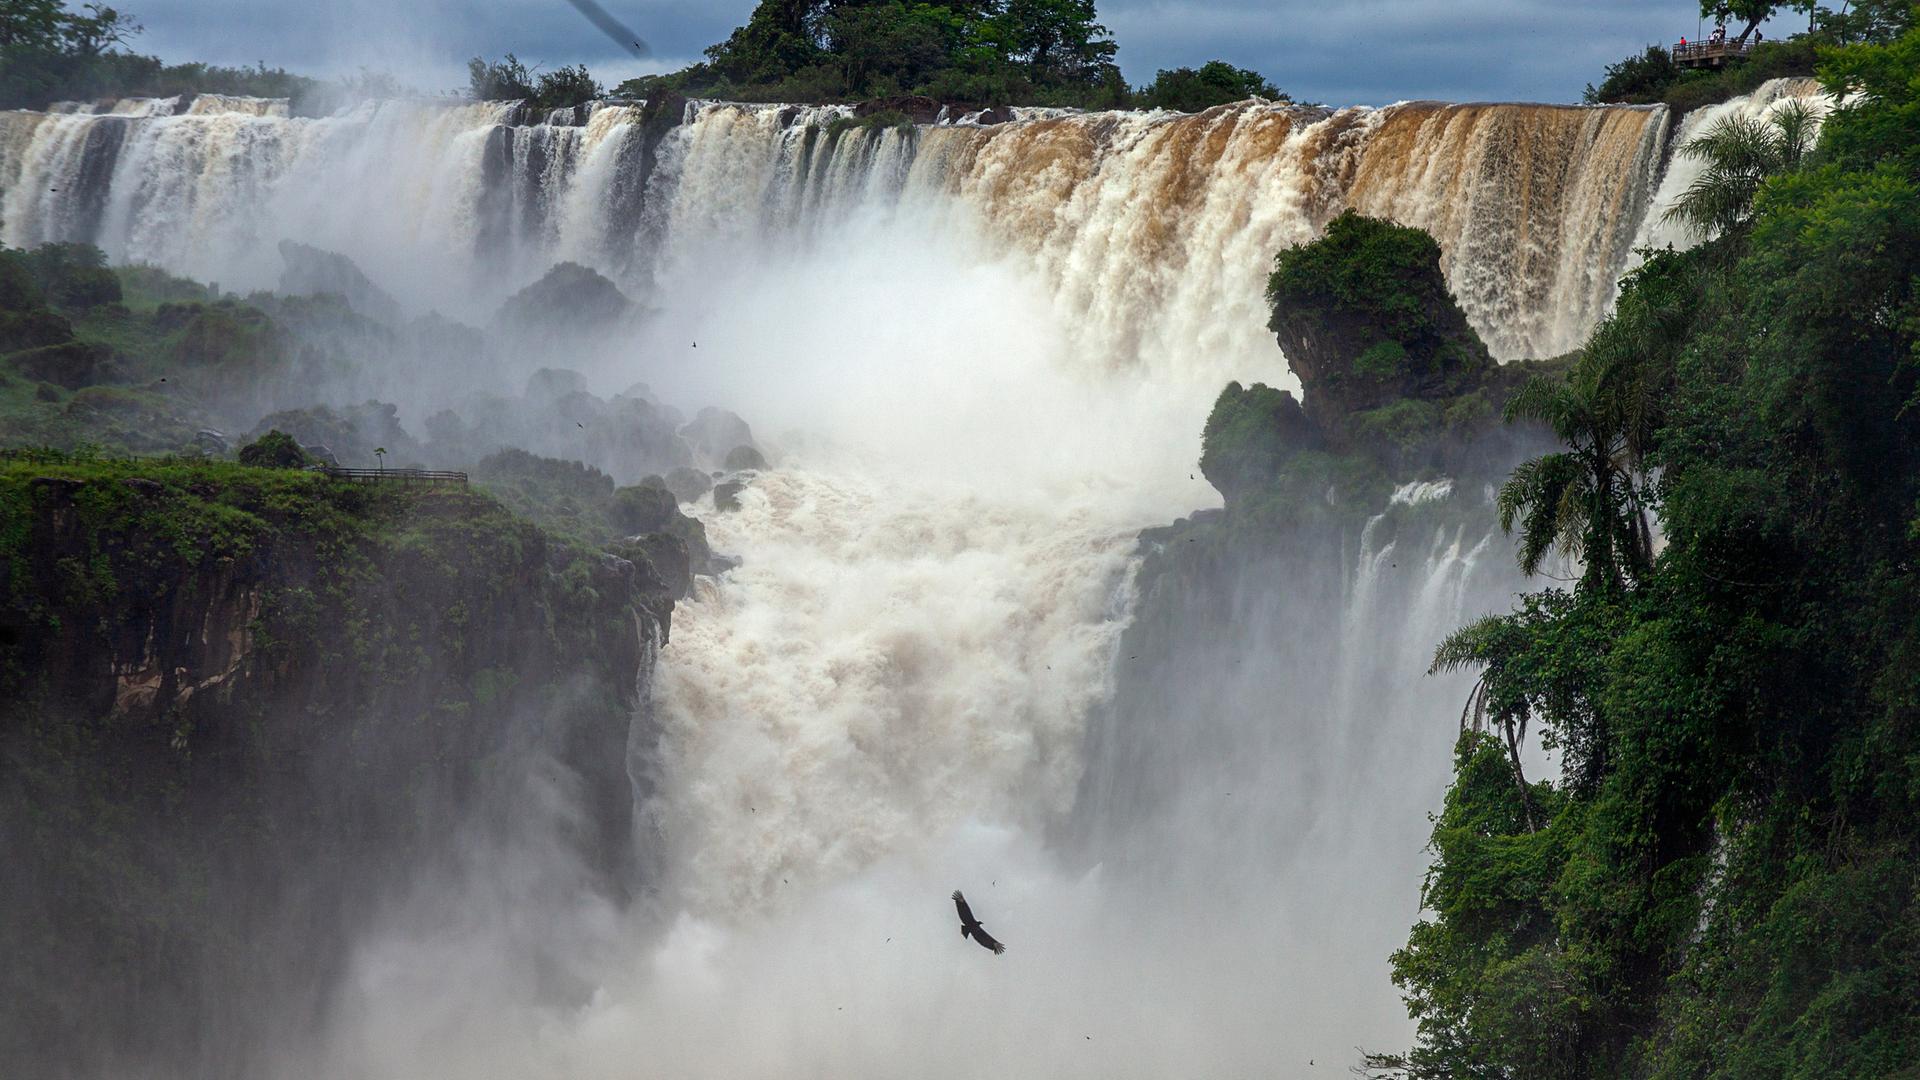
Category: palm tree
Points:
column 380, row 452
column 1583, row 500
column 1741, row 153
column 1490, row 644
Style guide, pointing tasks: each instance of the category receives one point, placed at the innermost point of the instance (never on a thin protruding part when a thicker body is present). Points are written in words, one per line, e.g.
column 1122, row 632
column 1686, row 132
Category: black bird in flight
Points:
column 612, row 27
column 970, row 926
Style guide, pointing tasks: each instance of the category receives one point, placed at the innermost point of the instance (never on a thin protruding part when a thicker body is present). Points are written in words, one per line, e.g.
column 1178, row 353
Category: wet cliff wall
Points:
column 243, row 705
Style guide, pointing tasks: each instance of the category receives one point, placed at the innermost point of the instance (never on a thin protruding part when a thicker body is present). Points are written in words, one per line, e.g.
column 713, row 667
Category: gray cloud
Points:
column 1366, row 51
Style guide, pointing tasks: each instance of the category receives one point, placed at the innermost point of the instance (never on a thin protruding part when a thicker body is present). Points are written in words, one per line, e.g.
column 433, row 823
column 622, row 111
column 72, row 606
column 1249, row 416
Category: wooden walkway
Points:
column 1709, row 53
column 430, row 477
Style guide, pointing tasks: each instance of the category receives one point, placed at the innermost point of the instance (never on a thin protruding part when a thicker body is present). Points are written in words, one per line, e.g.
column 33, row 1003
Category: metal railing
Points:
column 397, row 476
column 1709, row 51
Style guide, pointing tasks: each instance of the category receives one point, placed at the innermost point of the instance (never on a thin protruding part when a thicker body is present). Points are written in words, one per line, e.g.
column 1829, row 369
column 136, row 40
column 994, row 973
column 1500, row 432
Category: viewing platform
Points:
column 430, row 477
column 1709, row 54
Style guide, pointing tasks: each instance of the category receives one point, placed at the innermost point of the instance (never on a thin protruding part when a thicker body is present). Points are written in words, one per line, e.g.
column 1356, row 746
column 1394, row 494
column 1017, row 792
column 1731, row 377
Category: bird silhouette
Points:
column 970, row 926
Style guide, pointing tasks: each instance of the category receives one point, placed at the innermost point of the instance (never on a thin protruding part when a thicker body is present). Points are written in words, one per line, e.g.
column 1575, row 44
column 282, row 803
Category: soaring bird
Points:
column 970, row 926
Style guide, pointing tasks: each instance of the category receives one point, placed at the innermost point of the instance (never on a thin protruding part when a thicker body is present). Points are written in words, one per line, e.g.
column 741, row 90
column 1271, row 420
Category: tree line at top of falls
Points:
column 977, row 52
column 983, row 53
column 1653, row 77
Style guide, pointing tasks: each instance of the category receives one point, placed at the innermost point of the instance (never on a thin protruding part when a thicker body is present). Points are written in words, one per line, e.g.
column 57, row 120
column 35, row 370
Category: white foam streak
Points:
column 1656, row 231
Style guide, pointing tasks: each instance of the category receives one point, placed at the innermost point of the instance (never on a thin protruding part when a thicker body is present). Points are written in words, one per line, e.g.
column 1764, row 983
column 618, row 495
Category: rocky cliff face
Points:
column 241, row 706
column 1383, row 352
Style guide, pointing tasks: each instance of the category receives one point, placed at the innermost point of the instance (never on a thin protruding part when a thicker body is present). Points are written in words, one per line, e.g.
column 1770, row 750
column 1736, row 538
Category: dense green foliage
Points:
column 1250, row 435
column 50, row 53
column 1724, row 880
column 233, row 697
column 128, row 359
column 1652, row 77
column 275, row 450
column 1215, row 83
column 511, row 80
column 1365, row 315
column 984, row 51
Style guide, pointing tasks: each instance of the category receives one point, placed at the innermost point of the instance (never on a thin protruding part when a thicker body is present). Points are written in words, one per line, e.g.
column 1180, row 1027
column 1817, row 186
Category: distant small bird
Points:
column 970, row 926
column 696, row 344
column 580, row 425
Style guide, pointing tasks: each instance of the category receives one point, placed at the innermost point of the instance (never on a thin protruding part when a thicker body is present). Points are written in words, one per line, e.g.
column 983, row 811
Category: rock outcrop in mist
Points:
column 247, row 705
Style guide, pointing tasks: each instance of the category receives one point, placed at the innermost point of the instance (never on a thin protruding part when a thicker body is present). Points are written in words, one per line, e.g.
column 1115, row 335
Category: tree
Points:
column 566, row 88
column 1754, row 12
column 1059, row 40
column 1741, row 153
column 1215, row 83
column 34, row 24
column 99, row 29
column 1875, row 22
column 1583, row 500
column 502, row 80
column 275, row 450
column 1637, row 80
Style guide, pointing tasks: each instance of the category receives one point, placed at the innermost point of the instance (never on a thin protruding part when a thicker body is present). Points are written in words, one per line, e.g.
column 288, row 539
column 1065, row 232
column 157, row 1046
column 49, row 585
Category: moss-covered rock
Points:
column 744, row 458
column 1365, row 319
column 1250, row 433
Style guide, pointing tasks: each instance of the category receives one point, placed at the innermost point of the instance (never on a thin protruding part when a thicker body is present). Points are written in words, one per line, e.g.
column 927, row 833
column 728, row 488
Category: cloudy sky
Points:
column 1334, row 51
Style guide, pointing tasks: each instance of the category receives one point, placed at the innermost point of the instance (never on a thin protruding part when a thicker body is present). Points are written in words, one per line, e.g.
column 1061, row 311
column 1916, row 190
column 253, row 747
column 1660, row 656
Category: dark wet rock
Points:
column 744, row 458
column 713, row 432
column 643, row 508
column 726, row 497
column 312, row 270
column 918, row 108
column 570, row 303
column 687, row 484
column 1365, row 319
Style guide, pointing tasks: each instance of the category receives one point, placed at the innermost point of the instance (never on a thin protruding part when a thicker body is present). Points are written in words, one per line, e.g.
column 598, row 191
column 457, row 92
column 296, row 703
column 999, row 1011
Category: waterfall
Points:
column 1158, row 225
column 982, row 356
column 1656, row 231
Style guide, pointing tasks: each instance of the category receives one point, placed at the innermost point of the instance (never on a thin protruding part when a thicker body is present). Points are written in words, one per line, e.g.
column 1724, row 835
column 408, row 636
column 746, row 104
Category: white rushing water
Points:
column 1656, row 231
column 983, row 356
column 1157, row 226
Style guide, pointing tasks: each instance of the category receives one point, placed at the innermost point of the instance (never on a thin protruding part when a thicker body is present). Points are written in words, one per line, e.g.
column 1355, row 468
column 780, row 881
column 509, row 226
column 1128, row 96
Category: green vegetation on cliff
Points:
column 1364, row 314
column 1724, row 879
column 49, row 52
column 1652, row 77
column 985, row 51
column 235, row 697
column 980, row 52
column 1395, row 381
column 1215, row 83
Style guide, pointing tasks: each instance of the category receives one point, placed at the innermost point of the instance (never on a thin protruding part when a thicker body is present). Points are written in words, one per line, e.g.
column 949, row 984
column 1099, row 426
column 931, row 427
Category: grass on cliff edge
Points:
column 205, row 510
